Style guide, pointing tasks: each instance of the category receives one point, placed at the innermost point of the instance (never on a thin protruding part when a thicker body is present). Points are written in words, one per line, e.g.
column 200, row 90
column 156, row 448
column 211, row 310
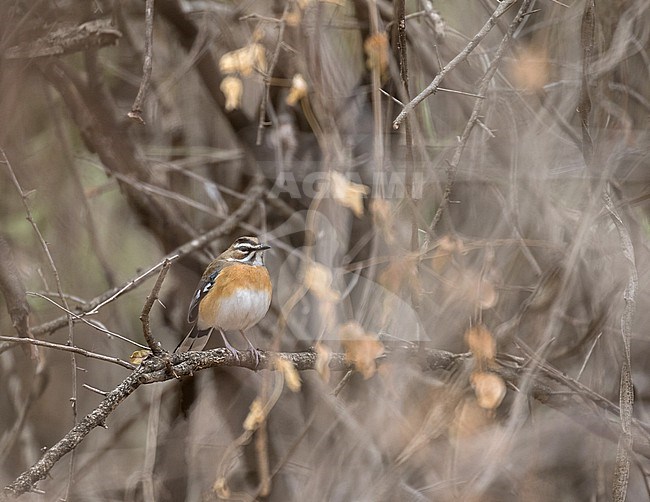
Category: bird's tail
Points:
column 196, row 339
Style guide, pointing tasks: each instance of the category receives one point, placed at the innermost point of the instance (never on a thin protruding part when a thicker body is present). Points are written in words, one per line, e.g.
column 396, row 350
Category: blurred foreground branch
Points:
column 545, row 384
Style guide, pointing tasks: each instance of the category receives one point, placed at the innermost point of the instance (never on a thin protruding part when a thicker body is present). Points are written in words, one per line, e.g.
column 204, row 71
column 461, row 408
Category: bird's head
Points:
column 247, row 250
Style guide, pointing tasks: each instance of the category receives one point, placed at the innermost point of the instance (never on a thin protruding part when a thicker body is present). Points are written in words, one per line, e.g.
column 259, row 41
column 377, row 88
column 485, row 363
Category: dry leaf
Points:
column 232, row 89
column 220, row 487
column 318, row 279
column 138, row 356
column 323, row 354
column 298, row 89
column 445, row 248
column 347, row 193
column 531, row 69
column 361, row 349
column 401, row 271
column 490, row 389
column 244, row 60
column 255, row 416
column 293, row 18
column 288, row 370
column 258, row 34
column 376, row 47
column 481, row 343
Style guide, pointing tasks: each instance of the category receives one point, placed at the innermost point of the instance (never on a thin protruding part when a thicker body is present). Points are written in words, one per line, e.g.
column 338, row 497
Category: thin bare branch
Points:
column 67, row 348
column 548, row 386
column 154, row 345
column 147, row 65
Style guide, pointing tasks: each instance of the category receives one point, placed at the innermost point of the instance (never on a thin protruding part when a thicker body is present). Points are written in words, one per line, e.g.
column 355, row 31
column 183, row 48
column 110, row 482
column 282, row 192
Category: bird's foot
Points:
column 256, row 355
column 231, row 349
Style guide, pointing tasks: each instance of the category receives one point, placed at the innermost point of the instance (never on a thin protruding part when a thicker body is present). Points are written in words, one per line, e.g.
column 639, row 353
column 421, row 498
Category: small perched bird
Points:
column 234, row 293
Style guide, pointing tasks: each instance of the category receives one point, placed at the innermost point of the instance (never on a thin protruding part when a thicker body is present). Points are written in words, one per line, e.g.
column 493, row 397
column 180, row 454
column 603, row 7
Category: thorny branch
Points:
column 476, row 110
column 462, row 56
column 548, row 386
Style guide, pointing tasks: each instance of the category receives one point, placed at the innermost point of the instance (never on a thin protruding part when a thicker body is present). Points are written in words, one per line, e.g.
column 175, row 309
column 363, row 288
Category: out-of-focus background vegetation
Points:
column 509, row 213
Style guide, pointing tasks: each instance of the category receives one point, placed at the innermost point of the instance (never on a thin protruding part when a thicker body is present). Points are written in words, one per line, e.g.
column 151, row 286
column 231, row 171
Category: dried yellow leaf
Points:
column 220, row 487
column 291, row 377
column 232, row 89
column 255, row 416
column 490, row 389
column 401, row 271
column 445, row 249
column 531, row 69
column 361, row 348
column 376, row 47
column 244, row 60
column 298, row 89
column 347, row 193
column 323, row 354
column 138, row 356
column 481, row 343
column 293, row 18
column 318, row 279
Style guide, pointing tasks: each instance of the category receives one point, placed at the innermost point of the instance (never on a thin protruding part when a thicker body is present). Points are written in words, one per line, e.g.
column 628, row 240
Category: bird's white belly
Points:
column 241, row 310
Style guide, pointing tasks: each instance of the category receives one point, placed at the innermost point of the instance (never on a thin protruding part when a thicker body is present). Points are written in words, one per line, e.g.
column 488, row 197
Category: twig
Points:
column 269, row 73
column 463, row 93
column 95, row 390
column 154, row 345
column 342, row 383
column 588, row 356
column 136, row 109
column 462, row 56
column 92, row 323
column 67, row 348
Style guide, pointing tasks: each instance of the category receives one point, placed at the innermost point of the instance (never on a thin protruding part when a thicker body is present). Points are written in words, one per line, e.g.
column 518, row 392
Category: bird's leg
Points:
column 254, row 352
column 232, row 349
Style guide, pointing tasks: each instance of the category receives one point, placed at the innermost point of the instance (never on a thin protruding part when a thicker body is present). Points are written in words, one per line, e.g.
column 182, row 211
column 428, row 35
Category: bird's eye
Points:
column 245, row 243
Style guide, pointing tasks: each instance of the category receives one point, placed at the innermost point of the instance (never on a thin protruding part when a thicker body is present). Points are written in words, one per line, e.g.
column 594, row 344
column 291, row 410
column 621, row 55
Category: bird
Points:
column 234, row 293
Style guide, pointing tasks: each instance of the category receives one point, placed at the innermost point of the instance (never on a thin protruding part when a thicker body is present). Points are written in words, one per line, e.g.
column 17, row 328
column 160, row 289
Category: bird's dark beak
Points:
column 262, row 247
